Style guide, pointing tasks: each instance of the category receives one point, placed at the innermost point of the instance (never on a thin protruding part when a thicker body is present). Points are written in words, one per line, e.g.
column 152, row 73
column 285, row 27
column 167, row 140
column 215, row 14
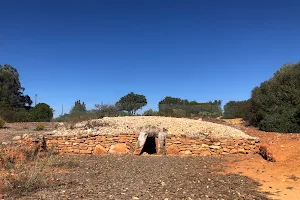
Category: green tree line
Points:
column 274, row 105
column 15, row 106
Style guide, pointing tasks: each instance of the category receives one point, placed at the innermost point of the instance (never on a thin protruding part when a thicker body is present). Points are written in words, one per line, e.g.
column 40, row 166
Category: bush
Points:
column 2, row 122
column 150, row 112
column 42, row 113
column 179, row 113
column 275, row 104
column 236, row 109
column 63, row 118
column 40, row 127
column 105, row 110
column 16, row 114
column 173, row 107
column 208, row 115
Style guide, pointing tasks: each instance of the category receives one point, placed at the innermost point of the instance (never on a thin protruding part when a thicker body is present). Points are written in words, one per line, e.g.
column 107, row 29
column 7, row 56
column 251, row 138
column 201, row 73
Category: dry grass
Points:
column 40, row 127
column 27, row 178
column 2, row 122
column 24, row 170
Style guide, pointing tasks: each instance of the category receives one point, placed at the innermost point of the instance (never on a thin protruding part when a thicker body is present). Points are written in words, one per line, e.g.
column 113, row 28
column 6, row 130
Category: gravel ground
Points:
column 19, row 129
column 175, row 126
column 147, row 177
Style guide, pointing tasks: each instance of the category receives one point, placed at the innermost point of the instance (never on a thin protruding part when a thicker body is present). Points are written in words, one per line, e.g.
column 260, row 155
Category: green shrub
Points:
column 42, row 113
column 179, row 113
column 2, row 122
column 236, row 109
column 275, row 104
column 208, row 115
column 14, row 114
column 150, row 112
column 40, row 127
column 191, row 108
column 105, row 110
column 63, row 118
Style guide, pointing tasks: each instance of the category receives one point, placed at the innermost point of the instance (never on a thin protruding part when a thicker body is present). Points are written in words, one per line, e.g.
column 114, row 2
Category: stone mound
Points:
column 132, row 124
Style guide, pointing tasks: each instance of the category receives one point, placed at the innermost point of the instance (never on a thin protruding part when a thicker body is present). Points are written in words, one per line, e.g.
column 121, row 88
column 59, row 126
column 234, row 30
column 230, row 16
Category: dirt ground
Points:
column 19, row 129
column 153, row 177
column 280, row 178
column 145, row 177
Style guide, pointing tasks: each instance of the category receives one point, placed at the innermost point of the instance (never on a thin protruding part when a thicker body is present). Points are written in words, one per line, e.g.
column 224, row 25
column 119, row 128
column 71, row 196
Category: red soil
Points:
column 280, row 178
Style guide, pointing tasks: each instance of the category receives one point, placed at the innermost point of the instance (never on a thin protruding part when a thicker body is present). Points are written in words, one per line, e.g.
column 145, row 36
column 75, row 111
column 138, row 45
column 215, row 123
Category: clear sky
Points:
column 98, row 51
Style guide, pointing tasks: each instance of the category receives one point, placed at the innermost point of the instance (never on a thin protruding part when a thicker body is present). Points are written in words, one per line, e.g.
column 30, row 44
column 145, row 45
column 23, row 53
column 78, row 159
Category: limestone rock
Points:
column 242, row 150
column 214, row 147
column 99, row 150
column 204, row 153
column 17, row 138
column 119, row 148
column 172, row 150
column 187, row 152
column 25, row 136
column 233, row 151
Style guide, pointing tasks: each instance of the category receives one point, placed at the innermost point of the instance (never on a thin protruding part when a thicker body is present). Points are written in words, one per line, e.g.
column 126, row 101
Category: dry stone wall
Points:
column 175, row 145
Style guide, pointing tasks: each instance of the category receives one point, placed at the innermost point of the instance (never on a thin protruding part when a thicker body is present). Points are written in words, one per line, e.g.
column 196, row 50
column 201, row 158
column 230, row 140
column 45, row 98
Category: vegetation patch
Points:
column 2, row 122
column 40, row 127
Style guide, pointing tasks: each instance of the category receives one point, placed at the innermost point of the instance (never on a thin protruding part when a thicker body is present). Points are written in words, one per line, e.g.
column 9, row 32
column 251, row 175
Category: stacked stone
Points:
column 94, row 144
column 175, row 145
column 210, row 146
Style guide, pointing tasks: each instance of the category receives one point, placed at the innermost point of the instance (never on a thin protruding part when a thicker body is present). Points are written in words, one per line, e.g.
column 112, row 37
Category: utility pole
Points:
column 35, row 99
column 62, row 110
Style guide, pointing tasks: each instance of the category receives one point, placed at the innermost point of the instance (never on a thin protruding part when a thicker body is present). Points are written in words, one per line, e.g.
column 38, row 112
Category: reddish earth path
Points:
column 280, row 178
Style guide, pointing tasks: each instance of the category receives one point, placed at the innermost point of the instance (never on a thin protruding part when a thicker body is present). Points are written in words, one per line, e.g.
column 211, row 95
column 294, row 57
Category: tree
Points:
column 131, row 102
column 175, row 107
column 236, row 109
column 275, row 104
column 14, row 105
column 78, row 108
column 42, row 113
column 168, row 105
column 105, row 110
column 11, row 91
column 150, row 112
column 63, row 118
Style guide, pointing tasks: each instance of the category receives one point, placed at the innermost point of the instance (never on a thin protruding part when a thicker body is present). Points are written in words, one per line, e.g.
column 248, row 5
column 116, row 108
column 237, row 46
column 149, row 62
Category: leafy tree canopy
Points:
column 275, row 104
column 131, row 102
column 236, row 109
column 105, row 110
column 171, row 106
column 151, row 112
column 42, row 113
column 78, row 108
column 11, row 91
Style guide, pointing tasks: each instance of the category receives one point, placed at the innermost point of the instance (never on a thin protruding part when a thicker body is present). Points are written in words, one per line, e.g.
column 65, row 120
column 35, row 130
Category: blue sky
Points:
column 98, row 51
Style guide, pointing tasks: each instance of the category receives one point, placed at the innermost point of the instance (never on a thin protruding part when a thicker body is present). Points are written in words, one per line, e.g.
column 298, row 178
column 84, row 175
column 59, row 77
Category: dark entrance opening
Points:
column 149, row 146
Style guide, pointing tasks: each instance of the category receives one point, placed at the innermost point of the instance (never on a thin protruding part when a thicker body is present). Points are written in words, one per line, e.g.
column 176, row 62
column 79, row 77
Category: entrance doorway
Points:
column 149, row 146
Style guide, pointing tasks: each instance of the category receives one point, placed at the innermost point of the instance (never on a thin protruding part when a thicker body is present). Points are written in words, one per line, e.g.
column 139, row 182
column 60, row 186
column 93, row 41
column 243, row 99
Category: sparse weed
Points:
column 27, row 178
column 2, row 122
column 25, row 170
column 40, row 127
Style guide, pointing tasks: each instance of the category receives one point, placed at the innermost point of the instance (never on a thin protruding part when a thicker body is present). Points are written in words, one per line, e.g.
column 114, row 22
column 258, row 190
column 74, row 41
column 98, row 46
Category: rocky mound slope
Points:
column 174, row 126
